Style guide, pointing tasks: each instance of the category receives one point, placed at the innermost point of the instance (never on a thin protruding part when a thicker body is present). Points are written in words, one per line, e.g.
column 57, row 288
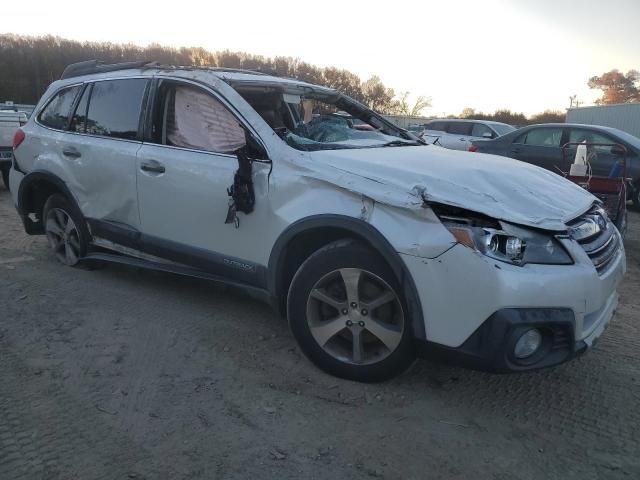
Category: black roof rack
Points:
column 96, row 66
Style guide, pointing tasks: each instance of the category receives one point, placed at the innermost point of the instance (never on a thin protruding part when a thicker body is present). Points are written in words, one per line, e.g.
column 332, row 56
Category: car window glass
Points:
column 79, row 119
column 195, row 119
column 439, row 126
column 479, row 130
column 543, row 137
column 590, row 136
column 114, row 108
column 56, row 113
column 459, row 128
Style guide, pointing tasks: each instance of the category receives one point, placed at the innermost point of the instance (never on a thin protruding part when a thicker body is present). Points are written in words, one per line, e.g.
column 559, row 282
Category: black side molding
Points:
column 231, row 269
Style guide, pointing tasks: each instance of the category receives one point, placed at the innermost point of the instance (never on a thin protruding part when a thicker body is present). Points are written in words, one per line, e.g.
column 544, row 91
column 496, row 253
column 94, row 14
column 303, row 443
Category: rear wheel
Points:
column 65, row 229
column 348, row 315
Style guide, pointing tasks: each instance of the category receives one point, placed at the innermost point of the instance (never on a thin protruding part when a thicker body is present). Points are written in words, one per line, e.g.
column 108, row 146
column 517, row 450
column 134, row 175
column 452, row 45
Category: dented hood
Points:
column 500, row 187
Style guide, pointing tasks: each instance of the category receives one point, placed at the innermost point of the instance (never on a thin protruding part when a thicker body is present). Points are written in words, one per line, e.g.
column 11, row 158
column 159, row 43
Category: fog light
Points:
column 528, row 343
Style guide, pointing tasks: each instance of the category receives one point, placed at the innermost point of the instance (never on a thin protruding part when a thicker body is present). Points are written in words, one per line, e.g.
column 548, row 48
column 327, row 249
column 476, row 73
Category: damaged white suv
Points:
column 375, row 246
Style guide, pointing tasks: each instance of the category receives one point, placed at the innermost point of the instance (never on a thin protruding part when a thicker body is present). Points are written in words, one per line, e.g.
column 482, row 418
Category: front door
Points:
column 184, row 172
column 542, row 147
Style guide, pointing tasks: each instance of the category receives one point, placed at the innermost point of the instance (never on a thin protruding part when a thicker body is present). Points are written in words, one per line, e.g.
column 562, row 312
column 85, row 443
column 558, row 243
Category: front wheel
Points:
column 347, row 312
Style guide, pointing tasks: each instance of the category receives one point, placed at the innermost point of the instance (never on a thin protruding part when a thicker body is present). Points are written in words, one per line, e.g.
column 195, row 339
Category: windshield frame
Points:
column 340, row 101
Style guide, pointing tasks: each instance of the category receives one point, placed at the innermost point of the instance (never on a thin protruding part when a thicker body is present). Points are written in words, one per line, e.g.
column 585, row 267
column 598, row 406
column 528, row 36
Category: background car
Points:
column 542, row 144
column 458, row 134
column 10, row 121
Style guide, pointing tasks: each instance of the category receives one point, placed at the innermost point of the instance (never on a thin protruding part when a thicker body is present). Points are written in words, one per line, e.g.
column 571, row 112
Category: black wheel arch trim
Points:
column 359, row 228
column 34, row 227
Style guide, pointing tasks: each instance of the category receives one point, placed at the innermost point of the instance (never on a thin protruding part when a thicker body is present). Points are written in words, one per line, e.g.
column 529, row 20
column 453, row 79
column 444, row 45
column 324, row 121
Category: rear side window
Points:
column 114, row 108
column 459, row 128
column 56, row 113
column 542, row 137
column 480, row 130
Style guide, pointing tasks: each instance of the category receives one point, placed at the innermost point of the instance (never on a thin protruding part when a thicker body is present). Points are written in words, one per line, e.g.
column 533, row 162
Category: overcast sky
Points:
column 486, row 54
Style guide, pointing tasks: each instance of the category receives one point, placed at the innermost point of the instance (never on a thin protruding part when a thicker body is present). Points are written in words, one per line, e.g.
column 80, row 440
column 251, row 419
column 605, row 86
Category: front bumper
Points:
column 476, row 308
column 490, row 348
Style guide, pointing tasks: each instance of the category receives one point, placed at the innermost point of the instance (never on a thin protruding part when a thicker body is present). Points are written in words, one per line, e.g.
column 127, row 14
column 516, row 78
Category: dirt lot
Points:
column 121, row 373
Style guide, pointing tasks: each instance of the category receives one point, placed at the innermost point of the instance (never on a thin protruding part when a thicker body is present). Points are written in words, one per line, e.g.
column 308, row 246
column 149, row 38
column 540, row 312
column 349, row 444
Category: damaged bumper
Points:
column 490, row 348
column 477, row 309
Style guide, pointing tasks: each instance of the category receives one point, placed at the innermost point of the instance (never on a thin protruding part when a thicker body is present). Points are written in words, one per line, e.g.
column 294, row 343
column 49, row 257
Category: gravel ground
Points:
column 124, row 373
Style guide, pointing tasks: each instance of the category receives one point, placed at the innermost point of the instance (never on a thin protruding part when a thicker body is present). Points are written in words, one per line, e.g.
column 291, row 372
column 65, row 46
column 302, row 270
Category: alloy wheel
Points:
column 355, row 316
column 63, row 236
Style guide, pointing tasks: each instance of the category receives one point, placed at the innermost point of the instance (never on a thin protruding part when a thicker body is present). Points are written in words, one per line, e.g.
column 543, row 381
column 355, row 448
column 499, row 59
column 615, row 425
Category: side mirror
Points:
column 487, row 135
column 618, row 150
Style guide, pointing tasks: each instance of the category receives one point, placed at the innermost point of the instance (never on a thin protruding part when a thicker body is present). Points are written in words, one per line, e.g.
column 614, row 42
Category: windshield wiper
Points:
column 401, row 143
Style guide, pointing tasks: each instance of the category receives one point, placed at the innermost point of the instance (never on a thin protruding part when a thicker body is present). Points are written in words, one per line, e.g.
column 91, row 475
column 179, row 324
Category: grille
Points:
column 602, row 245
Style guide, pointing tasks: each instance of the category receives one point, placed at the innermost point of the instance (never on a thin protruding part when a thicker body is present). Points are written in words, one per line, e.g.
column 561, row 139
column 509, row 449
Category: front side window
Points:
column 56, row 113
column 542, row 137
column 115, row 107
column 189, row 117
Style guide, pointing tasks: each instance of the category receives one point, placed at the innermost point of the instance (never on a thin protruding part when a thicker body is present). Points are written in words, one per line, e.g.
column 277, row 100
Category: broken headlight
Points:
column 511, row 244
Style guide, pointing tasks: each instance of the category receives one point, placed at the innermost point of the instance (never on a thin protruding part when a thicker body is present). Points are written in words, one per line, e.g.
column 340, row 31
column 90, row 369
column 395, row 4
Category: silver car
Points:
column 458, row 134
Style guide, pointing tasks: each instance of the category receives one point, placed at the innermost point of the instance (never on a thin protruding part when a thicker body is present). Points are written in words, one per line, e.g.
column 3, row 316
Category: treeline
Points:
column 29, row 64
column 514, row 118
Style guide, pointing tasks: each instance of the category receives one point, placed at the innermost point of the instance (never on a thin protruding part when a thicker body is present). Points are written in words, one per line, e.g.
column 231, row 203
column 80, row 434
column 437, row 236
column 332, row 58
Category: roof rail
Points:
column 96, row 66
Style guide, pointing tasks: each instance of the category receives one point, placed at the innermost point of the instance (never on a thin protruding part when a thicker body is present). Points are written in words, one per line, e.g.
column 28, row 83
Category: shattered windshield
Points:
column 318, row 121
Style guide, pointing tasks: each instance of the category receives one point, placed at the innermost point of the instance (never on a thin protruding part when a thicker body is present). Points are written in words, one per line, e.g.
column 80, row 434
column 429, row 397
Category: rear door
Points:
column 601, row 157
column 99, row 149
column 541, row 146
column 458, row 135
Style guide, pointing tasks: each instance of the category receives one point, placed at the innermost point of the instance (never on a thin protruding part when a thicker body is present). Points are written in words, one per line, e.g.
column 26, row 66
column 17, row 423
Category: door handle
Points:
column 515, row 150
column 152, row 166
column 71, row 152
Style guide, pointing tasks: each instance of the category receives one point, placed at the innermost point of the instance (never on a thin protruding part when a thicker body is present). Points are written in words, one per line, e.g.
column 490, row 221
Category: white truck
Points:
column 10, row 121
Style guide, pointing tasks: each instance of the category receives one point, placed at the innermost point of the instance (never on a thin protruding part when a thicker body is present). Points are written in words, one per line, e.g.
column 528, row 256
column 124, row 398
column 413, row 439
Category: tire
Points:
column 361, row 332
column 5, row 178
column 66, row 230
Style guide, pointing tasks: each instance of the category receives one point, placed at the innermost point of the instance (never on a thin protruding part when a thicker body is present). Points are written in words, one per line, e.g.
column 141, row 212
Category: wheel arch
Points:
column 307, row 235
column 33, row 192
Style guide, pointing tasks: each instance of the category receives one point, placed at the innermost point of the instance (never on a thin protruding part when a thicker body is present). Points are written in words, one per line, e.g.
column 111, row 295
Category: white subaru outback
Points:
column 375, row 246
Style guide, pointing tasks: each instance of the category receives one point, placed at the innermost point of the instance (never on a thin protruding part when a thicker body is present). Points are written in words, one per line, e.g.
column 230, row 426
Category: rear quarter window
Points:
column 56, row 113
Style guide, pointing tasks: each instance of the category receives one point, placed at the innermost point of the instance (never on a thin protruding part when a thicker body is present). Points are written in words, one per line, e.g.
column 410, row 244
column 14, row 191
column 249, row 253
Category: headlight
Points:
column 512, row 244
